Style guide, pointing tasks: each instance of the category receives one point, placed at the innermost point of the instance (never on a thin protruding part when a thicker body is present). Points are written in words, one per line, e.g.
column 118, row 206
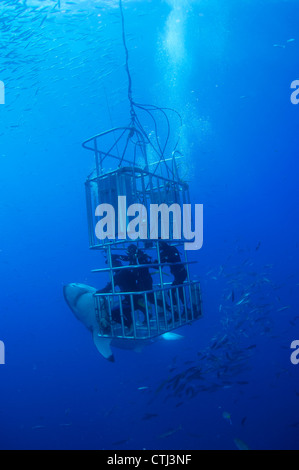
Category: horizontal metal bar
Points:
column 153, row 335
column 103, row 246
column 110, row 131
column 136, row 266
column 132, row 169
column 142, row 292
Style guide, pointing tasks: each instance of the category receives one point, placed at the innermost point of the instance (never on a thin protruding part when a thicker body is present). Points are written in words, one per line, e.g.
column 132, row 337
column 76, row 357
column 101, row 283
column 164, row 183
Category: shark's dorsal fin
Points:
column 103, row 346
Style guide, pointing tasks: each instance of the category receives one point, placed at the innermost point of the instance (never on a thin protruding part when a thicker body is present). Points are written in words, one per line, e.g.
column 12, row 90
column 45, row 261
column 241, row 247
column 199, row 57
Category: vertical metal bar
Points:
column 98, row 170
column 110, row 315
column 121, row 315
column 110, row 267
column 134, row 185
column 159, row 191
column 175, row 167
column 194, row 297
column 133, row 315
column 97, row 310
column 97, row 157
column 159, row 261
column 185, row 302
column 164, row 308
column 191, row 302
column 147, row 316
column 145, row 203
column 140, row 188
column 193, row 294
column 110, row 199
column 98, row 192
column 119, row 194
column 187, row 265
column 171, row 291
column 200, row 298
column 90, row 220
column 157, row 312
column 188, row 279
column 178, row 304
column 161, row 281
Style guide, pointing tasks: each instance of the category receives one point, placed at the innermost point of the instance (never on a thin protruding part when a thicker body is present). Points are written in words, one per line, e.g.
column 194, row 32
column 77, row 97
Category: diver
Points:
column 144, row 278
column 170, row 254
column 126, row 280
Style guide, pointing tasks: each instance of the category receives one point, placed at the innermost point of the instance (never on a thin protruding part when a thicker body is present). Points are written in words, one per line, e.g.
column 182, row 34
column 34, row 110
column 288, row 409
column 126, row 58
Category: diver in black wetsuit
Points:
column 144, row 278
column 126, row 280
column 170, row 254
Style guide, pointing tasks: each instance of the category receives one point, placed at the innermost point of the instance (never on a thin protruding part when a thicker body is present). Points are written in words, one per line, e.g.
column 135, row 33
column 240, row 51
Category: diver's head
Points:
column 132, row 250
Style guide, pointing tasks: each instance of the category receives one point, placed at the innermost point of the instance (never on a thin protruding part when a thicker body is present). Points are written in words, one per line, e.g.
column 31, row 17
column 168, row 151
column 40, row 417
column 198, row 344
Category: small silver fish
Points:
column 241, row 445
column 284, row 308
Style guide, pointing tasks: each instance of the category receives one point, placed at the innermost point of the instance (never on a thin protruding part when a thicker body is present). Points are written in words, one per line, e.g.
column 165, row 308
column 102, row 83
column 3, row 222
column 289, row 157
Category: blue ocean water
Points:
column 227, row 67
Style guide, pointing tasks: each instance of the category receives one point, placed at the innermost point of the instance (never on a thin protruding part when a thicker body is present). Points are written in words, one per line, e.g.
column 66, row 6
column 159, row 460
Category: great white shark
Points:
column 80, row 299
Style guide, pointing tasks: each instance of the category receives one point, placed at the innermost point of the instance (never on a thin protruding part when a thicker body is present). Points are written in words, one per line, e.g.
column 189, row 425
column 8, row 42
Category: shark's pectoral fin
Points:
column 103, row 346
column 171, row 336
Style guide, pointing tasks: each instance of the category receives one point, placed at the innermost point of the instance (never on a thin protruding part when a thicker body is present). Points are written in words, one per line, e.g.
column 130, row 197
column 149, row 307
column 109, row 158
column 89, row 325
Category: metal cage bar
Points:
column 154, row 324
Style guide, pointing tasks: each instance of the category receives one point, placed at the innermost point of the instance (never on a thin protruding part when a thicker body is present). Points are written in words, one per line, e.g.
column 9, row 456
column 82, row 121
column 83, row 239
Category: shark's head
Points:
column 79, row 298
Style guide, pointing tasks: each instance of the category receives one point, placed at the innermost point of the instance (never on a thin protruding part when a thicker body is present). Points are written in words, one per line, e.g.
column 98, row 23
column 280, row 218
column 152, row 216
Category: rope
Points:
column 130, row 94
column 149, row 109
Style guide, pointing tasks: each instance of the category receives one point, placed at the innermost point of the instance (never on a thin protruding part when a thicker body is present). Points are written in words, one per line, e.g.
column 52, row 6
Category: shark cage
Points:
column 150, row 291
